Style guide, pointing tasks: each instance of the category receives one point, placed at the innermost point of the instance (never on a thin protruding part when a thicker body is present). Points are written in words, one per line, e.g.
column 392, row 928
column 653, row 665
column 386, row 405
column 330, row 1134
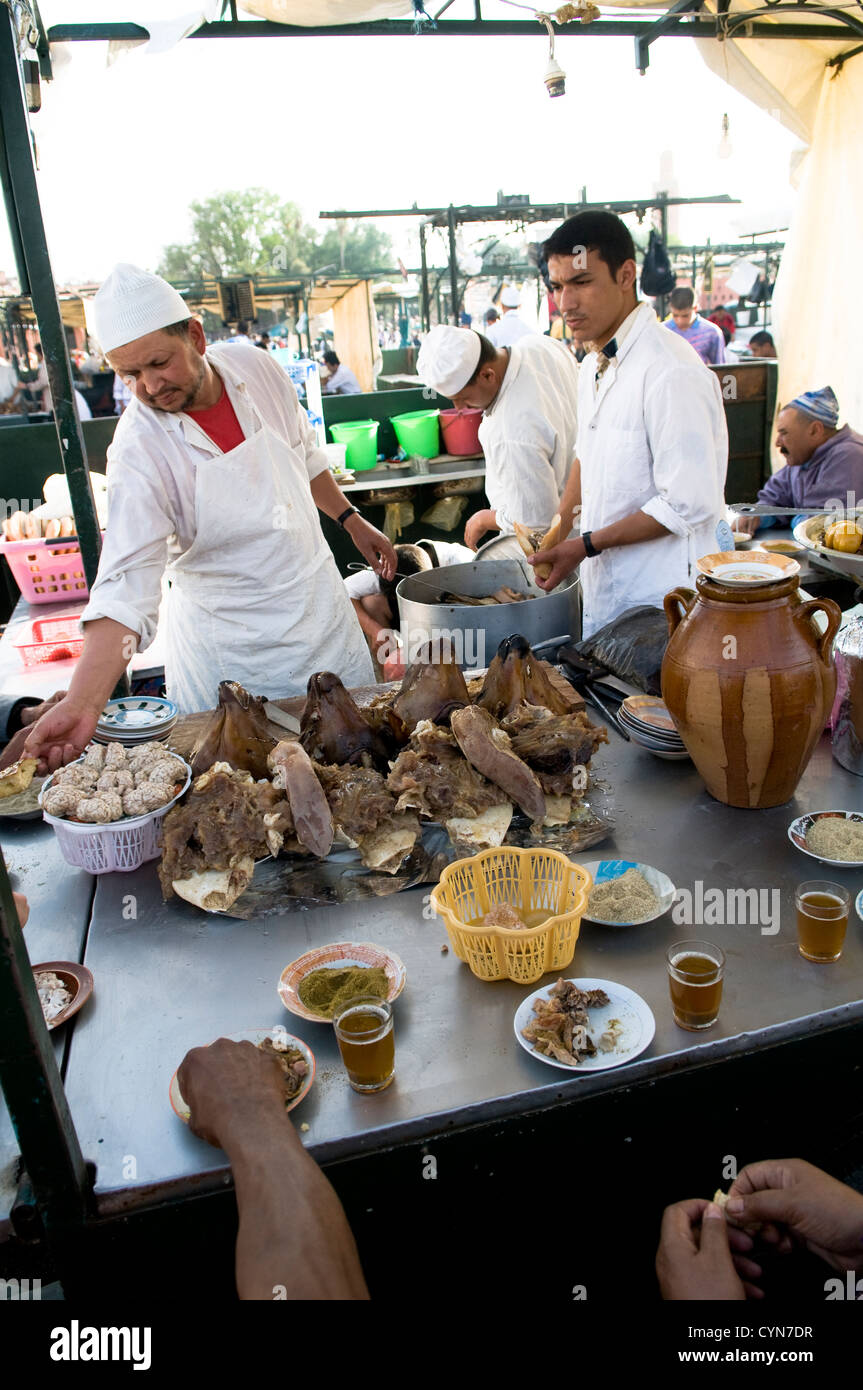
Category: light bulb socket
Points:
column 555, row 79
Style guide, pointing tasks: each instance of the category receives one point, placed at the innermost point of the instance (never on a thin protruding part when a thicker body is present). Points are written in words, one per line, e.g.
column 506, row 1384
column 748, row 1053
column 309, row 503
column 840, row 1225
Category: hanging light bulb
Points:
column 724, row 151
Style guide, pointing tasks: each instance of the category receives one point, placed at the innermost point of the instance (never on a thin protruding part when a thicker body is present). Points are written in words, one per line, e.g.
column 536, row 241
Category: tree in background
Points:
column 252, row 232
column 241, row 232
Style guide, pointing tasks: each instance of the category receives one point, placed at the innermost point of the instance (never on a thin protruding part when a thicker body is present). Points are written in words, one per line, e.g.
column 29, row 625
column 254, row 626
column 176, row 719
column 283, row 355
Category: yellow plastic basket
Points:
column 531, row 880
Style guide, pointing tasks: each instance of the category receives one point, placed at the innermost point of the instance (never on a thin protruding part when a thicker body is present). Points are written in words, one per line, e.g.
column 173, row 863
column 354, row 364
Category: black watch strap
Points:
column 349, row 511
column 589, row 548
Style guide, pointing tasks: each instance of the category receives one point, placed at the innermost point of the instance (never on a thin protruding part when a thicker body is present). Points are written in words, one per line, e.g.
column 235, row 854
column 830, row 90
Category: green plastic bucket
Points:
column 418, row 432
column 361, row 438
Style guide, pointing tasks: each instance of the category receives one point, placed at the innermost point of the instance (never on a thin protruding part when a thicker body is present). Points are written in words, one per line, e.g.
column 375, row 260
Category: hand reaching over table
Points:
column 563, row 558
column 294, row 1240
column 231, row 1089
column 62, row 733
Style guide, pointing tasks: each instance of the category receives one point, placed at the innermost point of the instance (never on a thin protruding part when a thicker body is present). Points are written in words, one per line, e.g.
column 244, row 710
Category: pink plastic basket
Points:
column 53, row 639
column 47, row 571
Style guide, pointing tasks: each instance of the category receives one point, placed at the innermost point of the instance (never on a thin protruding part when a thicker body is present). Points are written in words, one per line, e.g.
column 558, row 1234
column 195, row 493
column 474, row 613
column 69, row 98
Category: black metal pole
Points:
column 453, row 263
column 426, row 306
column 28, row 232
column 662, row 202
column 31, row 1084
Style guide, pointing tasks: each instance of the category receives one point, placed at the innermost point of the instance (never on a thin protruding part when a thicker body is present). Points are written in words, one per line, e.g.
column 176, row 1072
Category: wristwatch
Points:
column 349, row 511
column 589, row 548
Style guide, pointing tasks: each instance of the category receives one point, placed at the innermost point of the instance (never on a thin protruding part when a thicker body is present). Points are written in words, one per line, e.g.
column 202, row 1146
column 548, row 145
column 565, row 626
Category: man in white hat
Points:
column 215, row 473
column 528, row 395
column 511, row 328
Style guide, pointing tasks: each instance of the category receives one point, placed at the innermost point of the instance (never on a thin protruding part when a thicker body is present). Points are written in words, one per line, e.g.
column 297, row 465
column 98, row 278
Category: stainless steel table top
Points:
column 171, row 977
column 59, row 898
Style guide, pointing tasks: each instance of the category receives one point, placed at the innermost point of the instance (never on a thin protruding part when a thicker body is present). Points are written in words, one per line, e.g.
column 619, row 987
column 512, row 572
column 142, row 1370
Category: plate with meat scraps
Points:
column 278, row 1040
column 632, row 1013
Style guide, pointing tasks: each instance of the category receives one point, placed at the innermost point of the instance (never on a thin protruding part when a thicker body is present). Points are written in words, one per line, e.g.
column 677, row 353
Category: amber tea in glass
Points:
column 695, row 971
column 364, row 1030
column 822, row 920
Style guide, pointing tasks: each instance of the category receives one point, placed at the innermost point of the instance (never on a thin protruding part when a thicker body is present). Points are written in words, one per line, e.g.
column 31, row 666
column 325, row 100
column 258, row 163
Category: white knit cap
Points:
column 510, row 297
column 132, row 303
column 448, row 358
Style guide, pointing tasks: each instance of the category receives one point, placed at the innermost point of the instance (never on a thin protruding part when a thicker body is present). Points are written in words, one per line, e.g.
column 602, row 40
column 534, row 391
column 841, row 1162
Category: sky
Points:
column 373, row 122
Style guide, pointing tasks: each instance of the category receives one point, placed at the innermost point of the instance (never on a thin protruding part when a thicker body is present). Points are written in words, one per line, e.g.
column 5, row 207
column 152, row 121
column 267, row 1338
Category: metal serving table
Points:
column 168, row 977
column 59, row 898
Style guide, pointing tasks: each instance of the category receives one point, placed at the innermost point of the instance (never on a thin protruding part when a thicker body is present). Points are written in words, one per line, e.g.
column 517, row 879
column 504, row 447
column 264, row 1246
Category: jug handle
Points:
column 673, row 603
column 833, row 614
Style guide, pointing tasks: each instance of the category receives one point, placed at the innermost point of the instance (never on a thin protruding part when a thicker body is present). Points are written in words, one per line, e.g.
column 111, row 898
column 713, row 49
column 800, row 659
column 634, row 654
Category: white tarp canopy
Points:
column 814, row 321
column 815, row 326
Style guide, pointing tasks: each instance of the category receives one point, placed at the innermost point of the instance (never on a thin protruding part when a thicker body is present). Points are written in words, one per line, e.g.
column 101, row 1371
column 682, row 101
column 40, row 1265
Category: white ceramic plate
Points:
column 799, row 828
column 859, row 904
column 639, row 1026
column 253, row 1035
column 601, row 870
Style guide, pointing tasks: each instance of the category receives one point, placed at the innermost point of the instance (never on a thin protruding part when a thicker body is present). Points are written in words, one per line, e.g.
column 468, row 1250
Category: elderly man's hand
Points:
column 232, row 1090
column 694, row 1259
column 373, row 546
column 62, row 733
column 22, row 907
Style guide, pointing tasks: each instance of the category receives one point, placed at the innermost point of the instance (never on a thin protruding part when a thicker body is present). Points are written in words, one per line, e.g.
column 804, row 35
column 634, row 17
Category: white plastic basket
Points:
column 117, row 847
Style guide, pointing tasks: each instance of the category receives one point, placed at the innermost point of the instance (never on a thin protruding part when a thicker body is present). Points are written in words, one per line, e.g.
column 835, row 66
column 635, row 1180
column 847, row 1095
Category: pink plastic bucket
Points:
column 461, row 431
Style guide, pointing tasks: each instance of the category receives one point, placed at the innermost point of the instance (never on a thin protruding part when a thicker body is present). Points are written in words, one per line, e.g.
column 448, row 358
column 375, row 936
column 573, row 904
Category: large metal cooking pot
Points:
column 475, row 631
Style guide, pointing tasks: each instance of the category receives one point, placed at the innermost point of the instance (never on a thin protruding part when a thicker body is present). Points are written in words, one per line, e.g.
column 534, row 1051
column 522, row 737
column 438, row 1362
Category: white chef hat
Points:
column 510, row 297
column 448, row 358
column 132, row 303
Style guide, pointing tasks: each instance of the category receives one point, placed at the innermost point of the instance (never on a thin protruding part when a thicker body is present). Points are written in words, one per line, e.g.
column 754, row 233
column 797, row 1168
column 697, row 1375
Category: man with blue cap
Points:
column 824, row 463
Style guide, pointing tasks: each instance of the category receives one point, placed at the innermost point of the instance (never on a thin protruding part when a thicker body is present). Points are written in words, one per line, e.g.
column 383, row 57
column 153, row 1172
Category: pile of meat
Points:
column 429, row 750
column 110, row 783
column 559, row 1028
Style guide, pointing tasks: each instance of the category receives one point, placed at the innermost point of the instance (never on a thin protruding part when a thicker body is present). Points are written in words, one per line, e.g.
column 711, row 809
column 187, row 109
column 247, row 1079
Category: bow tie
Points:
column 604, row 357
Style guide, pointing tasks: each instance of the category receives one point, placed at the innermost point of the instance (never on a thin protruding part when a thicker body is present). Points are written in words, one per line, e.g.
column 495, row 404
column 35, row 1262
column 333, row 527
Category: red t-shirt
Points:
column 220, row 423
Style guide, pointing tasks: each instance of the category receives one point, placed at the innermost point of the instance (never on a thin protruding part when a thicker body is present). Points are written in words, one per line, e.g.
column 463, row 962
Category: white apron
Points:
column 257, row 598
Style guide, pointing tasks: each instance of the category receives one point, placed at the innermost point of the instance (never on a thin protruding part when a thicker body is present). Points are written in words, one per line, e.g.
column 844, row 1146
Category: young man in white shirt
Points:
column 652, row 438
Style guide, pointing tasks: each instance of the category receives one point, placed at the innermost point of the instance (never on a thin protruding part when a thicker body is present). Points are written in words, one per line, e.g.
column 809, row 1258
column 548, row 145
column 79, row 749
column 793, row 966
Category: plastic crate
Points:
column 47, row 571
column 117, row 847
column 53, row 639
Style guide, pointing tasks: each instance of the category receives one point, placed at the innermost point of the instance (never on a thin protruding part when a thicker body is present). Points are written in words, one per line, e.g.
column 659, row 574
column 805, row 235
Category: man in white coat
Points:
column 214, row 471
column 528, row 431
column 511, row 328
column 652, row 438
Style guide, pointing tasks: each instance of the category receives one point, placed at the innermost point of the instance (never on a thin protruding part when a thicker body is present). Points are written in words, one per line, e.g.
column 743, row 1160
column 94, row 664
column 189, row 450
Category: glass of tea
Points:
column 364, row 1030
column 695, row 971
column 822, row 919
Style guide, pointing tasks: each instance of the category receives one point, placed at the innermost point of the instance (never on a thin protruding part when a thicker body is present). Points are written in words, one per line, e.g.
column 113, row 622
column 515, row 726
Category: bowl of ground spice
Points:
column 834, row 837
column 626, row 893
column 318, row 983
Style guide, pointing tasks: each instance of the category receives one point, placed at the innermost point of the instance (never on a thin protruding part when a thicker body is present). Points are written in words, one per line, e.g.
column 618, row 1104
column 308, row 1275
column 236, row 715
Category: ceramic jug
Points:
column 749, row 683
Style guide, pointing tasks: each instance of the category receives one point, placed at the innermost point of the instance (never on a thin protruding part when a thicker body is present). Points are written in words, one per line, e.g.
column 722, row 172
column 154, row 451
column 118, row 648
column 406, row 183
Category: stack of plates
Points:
column 649, row 724
column 136, row 719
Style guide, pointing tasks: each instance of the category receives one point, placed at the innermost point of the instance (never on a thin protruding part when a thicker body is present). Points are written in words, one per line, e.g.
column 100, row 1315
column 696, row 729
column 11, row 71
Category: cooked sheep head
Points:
column 237, row 733
column 292, row 770
column 332, row 729
column 433, row 686
column 516, row 676
column 488, row 749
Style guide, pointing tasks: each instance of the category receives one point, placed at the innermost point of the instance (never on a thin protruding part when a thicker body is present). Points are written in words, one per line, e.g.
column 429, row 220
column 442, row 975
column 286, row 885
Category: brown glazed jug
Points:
column 749, row 683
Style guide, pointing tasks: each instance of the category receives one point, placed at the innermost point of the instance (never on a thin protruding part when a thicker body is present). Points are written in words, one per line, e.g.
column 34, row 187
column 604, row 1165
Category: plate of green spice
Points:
column 318, row 983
